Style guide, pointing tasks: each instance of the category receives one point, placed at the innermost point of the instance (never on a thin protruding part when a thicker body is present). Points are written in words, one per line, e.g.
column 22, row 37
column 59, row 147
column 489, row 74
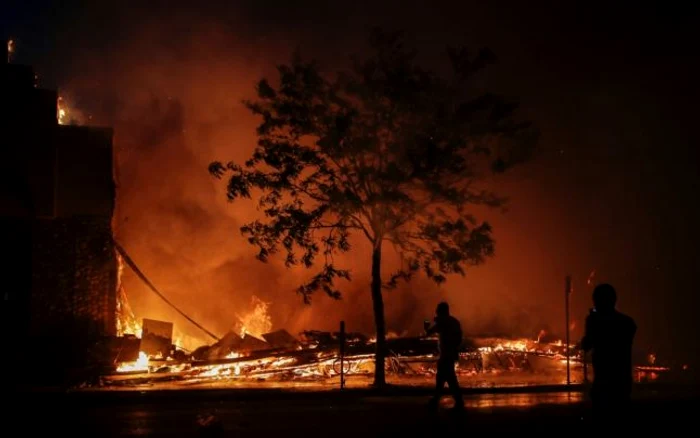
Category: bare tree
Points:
column 385, row 149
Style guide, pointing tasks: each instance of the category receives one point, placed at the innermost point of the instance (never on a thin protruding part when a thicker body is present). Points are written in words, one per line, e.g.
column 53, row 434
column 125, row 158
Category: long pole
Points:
column 342, row 354
column 568, row 353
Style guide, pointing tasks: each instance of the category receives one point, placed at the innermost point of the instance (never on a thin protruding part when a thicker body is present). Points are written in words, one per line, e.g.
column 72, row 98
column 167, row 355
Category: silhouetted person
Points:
column 609, row 334
column 449, row 330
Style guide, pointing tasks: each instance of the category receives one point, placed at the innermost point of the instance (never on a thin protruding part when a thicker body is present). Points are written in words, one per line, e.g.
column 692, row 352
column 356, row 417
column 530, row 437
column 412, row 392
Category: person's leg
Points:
column 455, row 390
column 603, row 399
column 439, row 383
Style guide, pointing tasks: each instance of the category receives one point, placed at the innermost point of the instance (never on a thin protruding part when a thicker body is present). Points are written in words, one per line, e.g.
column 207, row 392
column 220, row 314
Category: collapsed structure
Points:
column 317, row 356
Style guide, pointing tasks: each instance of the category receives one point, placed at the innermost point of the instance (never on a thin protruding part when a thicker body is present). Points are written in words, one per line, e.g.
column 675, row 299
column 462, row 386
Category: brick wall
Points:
column 74, row 278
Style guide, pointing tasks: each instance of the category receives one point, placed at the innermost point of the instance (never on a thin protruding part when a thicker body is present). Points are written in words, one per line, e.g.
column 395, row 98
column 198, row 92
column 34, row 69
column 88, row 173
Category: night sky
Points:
column 613, row 187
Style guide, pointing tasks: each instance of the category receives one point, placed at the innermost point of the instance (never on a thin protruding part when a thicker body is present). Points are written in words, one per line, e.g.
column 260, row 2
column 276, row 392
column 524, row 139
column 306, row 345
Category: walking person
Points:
column 449, row 331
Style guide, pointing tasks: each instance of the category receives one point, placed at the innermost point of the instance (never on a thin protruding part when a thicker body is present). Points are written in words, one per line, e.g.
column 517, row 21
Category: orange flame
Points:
column 540, row 335
column 10, row 50
column 257, row 321
column 590, row 278
column 127, row 323
column 140, row 364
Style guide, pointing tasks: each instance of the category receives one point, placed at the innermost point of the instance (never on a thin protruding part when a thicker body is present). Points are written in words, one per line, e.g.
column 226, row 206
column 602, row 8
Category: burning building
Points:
column 62, row 290
column 58, row 199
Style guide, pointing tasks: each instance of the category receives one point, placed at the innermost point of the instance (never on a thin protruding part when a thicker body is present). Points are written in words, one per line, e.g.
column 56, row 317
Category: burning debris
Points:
column 315, row 357
column 139, row 365
column 126, row 321
column 257, row 321
column 251, row 351
column 279, row 356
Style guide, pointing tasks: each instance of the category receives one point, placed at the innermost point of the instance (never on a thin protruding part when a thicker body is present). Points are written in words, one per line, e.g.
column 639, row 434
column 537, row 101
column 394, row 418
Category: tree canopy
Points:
column 385, row 149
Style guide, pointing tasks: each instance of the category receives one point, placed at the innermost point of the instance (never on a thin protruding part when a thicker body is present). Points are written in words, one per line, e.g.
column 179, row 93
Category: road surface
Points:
column 323, row 415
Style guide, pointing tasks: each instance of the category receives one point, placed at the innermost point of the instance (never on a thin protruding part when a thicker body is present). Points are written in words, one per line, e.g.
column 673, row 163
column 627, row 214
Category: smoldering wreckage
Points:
column 314, row 356
column 145, row 354
column 251, row 354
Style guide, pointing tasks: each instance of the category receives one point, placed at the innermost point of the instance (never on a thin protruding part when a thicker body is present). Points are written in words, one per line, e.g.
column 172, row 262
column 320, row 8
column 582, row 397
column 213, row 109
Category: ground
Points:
column 330, row 414
column 501, row 379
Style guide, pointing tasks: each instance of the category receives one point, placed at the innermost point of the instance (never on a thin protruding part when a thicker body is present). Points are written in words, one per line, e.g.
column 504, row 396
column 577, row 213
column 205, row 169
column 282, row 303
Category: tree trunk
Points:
column 378, row 306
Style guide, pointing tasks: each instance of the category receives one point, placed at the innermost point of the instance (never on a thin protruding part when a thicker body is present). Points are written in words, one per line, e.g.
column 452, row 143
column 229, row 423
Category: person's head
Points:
column 443, row 309
column 604, row 297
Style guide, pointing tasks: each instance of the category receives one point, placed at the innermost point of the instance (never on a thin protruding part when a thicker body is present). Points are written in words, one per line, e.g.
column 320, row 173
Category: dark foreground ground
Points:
column 330, row 414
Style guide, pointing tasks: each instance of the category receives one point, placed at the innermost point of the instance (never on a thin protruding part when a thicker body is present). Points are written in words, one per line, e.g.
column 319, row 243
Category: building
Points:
column 57, row 198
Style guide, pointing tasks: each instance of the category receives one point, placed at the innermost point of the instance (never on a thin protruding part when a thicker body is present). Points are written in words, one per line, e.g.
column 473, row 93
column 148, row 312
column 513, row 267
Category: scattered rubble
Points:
column 314, row 356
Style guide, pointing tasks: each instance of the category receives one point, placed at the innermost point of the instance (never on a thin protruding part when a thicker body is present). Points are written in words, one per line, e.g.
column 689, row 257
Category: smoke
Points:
column 170, row 81
column 175, row 103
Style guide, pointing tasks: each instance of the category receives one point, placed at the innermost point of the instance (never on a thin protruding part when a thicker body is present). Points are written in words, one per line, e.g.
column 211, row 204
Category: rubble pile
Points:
column 315, row 356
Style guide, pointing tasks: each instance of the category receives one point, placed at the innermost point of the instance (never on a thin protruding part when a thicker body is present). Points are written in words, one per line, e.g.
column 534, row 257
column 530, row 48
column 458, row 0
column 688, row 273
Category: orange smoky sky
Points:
column 599, row 195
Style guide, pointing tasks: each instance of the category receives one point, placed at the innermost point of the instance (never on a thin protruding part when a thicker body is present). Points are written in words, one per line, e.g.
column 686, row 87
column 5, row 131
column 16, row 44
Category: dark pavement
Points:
column 328, row 414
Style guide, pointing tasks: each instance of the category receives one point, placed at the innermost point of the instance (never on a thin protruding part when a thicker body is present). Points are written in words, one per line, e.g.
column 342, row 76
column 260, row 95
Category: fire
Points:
column 540, row 335
column 62, row 112
column 519, row 345
column 389, row 335
column 536, row 346
column 649, row 373
column 68, row 114
column 140, row 364
column 317, row 362
column 256, row 322
column 10, row 50
column 126, row 321
column 590, row 278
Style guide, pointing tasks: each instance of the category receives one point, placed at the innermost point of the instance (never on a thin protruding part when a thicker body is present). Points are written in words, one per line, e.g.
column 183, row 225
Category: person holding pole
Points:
column 449, row 331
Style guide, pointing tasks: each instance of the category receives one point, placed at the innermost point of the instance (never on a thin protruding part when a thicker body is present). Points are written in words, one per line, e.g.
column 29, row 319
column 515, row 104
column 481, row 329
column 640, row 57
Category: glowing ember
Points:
column 141, row 364
column 590, row 278
column 389, row 335
column 540, row 335
column 62, row 111
column 520, row 345
column 68, row 114
column 556, row 349
column 648, row 373
column 256, row 322
column 10, row 50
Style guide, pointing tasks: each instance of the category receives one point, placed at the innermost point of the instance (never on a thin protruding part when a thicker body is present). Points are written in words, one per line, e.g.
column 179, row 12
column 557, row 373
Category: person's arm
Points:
column 633, row 329
column 431, row 330
column 587, row 341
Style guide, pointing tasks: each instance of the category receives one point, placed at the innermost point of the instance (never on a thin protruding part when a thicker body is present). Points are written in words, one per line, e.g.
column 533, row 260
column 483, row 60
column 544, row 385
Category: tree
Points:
column 387, row 150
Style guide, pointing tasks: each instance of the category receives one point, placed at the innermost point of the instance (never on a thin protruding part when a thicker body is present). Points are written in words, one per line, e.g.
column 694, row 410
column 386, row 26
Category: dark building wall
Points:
column 74, row 278
column 28, row 165
column 84, row 172
column 57, row 195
